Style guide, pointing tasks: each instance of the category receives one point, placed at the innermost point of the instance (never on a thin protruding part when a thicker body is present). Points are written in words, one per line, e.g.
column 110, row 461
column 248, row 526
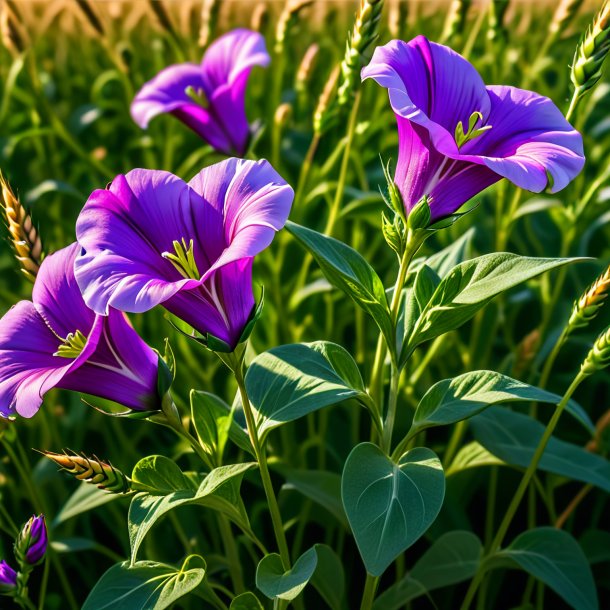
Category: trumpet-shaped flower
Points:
column 55, row 340
column 456, row 136
column 153, row 239
column 208, row 97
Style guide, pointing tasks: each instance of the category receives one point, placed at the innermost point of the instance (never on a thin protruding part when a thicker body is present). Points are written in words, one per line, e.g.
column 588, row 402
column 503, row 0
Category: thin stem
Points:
column 388, row 424
column 232, row 553
column 573, row 104
column 370, row 587
column 306, row 168
column 454, row 442
column 525, row 481
column 578, row 498
column 261, row 458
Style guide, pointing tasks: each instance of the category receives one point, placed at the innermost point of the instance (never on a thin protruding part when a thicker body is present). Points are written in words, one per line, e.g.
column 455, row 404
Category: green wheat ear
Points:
column 598, row 357
column 590, row 302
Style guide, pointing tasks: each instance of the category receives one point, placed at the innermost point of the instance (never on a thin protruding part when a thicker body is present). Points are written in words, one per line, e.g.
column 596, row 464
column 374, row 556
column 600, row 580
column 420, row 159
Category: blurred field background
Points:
column 68, row 72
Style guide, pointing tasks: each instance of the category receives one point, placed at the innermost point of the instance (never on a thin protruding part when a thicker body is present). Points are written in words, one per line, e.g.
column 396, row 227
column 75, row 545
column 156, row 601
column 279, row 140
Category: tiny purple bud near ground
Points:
column 208, row 97
column 153, row 239
column 457, row 136
column 8, row 578
column 55, row 340
column 34, row 538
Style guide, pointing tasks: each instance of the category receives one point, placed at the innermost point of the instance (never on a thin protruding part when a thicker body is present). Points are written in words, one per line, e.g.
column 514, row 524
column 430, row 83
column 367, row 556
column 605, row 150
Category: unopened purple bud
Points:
column 32, row 542
column 8, row 578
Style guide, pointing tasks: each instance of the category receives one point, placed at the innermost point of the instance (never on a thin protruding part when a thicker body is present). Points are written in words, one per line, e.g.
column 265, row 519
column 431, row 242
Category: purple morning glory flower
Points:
column 153, row 239
column 208, row 97
column 32, row 541
column 55, row 340
column 456, row 136
column 8, row 577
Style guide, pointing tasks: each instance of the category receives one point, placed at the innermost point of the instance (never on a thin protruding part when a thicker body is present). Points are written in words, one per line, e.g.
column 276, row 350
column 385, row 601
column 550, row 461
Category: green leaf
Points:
column 472, row 455
column 246, row 601
column 219, row 491
column 85, row 498
column 274, row 582
column 469, row 287
column 453, row 400
column 390, row 505
column 146, row 585
column 555, row 558
column 212, row 419
column 329, row 577
column 159, row 475
column 321, row 486
column 290, row 381
column 453, row 558
column 513, row 438
column 347, row 270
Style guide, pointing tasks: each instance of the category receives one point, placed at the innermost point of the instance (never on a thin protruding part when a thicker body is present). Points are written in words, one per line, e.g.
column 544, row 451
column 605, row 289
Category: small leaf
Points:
column 159, row 475
column 212, row 419
column 452, row 400
column 85, row 498
column 146, row 585
column 514, row 437
column 390, row 505
column 290, row 381
column 274, row 582
column 472, row 455
column 329, row 577
column 246, row 601
column 219, row 491
column 555, row 558
column 347, row 270
column 453, row 558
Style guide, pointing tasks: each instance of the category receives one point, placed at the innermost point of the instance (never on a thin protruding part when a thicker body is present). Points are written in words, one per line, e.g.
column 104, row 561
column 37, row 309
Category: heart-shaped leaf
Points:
column 390, row 505
column 159, row 475
column 146, row 585
column 275, row 582
column 555, row 558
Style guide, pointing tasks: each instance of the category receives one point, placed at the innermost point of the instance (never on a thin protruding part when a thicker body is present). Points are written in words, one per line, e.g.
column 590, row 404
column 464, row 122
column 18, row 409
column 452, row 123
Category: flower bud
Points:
column 8, row 578
column 419, row 216
column 31, row 544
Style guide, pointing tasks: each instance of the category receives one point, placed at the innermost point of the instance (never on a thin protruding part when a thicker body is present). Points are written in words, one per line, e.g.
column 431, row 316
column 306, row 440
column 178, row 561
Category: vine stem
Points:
column 525, row 481
column 261, row 458
column 370, row 587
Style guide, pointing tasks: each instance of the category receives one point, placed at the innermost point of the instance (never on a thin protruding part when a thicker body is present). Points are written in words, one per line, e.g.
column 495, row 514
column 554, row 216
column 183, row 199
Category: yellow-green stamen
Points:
column 197, row 95
column 72, row 346
column 183, row 260
column 461, row 138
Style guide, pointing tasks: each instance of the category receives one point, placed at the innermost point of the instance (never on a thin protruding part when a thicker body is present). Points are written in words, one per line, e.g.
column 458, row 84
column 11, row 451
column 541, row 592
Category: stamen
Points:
column 183, row 260
column 461, row 138
column 72, row 346
column 197, row 95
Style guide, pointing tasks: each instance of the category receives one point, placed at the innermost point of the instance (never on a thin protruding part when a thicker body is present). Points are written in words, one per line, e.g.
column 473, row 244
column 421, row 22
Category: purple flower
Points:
column 32, row 541
column 456, row 136
column 8, row 577
column 57, row 341
column 152, row 238
column 210, row 97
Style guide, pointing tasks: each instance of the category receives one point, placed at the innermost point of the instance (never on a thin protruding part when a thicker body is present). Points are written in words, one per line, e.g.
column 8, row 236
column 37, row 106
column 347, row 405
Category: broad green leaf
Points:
column 159, row 475
column 85, row 498
column 472, row 455
column 445, row 260
column 390, row 505
column 554, row 557
column 213, row 422
column 321, row 486
column 329, row 577
column 453, row 558
column 470, row 286
column 513, row 438
column 347, row 270
column 246, row 601
column 275, row 582
column 219, row 491
column 290, row 381
column 453, row 400
column 146, row 585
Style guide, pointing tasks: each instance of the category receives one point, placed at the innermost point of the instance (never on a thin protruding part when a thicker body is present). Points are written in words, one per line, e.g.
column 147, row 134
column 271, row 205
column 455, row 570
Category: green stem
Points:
column 370, row 587
column 525, row 481
column 388, row 424
column 259, row 450
column 573, row 104
column 232, row 553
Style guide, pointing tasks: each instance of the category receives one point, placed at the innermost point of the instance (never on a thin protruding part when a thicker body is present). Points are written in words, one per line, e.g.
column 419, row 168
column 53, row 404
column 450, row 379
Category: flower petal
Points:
column 123, row 232
column 166, row 92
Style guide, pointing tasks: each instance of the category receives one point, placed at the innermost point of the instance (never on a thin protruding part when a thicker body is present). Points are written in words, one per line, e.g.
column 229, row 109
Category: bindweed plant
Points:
column 368, row 372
